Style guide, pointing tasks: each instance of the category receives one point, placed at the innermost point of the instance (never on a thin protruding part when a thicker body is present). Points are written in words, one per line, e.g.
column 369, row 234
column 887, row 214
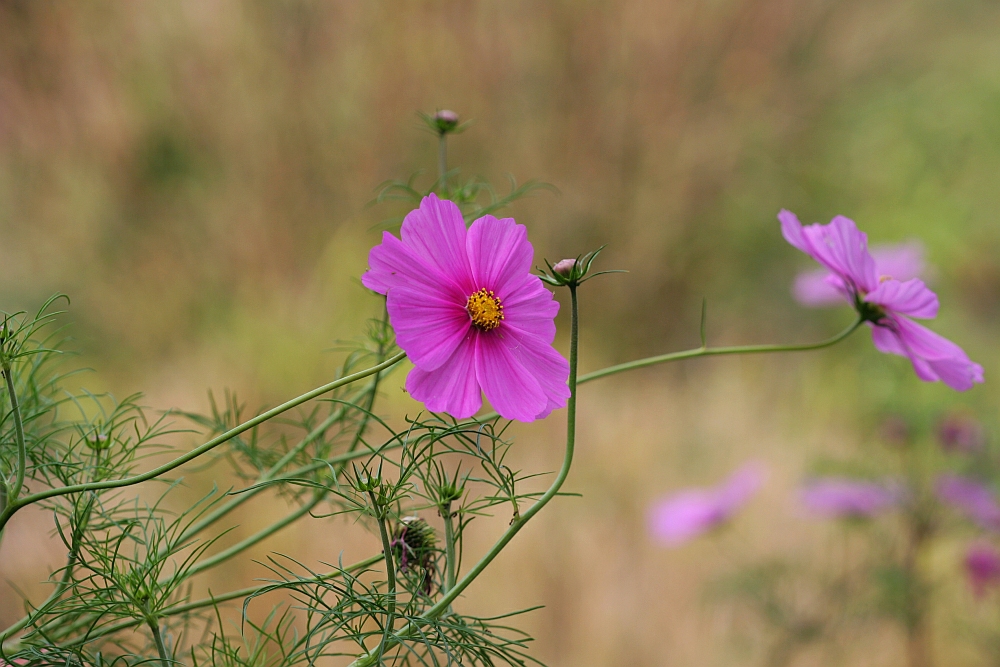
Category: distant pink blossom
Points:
column 973, row 499
column 886, row 303
column 469, row 314
column 686, row 514
column 982, row 565
column 961, row 433
column 841, row 497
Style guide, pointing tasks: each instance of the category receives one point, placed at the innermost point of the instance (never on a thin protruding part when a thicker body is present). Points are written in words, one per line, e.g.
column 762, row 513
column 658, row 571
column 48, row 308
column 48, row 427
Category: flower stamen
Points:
column 485, row 309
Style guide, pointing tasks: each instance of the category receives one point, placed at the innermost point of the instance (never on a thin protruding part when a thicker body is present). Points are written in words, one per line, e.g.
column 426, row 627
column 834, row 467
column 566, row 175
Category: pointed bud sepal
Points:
column 572, row 272
column 444, row 121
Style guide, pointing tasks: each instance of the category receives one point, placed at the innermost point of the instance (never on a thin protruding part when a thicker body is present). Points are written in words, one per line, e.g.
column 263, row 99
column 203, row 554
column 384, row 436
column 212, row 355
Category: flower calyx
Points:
column 573, row 271
column 444, row 121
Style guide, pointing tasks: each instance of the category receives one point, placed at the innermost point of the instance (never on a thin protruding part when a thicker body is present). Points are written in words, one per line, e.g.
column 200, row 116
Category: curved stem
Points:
column 198, row 451
column 451, row 566
column 442, row 605
column 705, row 351
column 22, row 458
column 390, row 572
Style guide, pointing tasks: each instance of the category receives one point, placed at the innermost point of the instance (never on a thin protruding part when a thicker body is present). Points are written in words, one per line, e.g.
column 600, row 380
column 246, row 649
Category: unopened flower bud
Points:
column 564, row 267
column 445, row 121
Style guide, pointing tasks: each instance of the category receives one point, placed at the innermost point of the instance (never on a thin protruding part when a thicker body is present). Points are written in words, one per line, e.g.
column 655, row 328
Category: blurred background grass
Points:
column 195, row 176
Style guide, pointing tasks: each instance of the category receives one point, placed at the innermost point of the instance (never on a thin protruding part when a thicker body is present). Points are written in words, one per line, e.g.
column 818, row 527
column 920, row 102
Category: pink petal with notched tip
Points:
column 436, row 232
column 499, row 253
column 392, row 263
column 510, row 387
column 550, row 368
column 532, row 309
column 839, row 246
column 907, row 298
column 451, row 387
column 415, row 313
column 933, row 356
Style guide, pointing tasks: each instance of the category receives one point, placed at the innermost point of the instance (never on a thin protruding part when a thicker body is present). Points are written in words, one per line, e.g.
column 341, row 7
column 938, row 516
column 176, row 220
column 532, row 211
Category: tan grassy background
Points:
column 195, row 176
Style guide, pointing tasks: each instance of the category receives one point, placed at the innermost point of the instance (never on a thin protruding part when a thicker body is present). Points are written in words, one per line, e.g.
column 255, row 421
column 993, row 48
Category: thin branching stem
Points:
column 390, row 571
column 210, row 601
column 705, row 351
column 443, row 604
column 449, row 547
column 13, row 507
column 22, row 452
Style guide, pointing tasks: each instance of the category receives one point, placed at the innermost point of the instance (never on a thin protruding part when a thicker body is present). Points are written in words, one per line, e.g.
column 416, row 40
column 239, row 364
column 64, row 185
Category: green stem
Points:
column 270, row 475
column 390, row 572
column 451, row 566
column 154, row 627
column 443, row 604
column 198, row 451
column 259, row 536
column 22, row 456
column 705, row 351
column 210, row 601
column 442, row 159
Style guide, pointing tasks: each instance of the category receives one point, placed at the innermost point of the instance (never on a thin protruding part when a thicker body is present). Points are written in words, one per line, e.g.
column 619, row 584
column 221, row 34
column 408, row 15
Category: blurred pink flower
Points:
column 884, row 301
column 982, row 565
column 686, row 514
column 961, row 433
column 971, row 498
column 469, row 314
column 902, row 261
column 841, row 497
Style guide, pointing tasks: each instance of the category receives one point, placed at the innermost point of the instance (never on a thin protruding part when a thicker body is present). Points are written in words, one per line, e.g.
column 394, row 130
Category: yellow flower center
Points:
column 485, row 309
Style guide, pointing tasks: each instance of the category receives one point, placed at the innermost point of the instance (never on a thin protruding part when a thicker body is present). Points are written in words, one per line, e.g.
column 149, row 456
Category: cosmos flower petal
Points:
column 843, row 249
column 945, row 360
column 742, row 485
column 550, row 368
column 531, row 308
column 907, row 298
column 511, row 389
column 819, row 288
column 793, row 232
column 392, row 264
column 414, row 313
column 683, row 516
column 901, row 261
column 451, row 387
column 436, row 232
column 839, row 246
column 499, row 253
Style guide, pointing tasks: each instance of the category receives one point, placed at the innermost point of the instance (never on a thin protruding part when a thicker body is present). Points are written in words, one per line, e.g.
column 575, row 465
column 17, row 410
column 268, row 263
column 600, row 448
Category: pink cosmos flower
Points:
column 883, row 300
column 469, row 315
column 982, row 565
column 971, row 498
column 961, row 433
column 686, row 514
column 840, row 497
